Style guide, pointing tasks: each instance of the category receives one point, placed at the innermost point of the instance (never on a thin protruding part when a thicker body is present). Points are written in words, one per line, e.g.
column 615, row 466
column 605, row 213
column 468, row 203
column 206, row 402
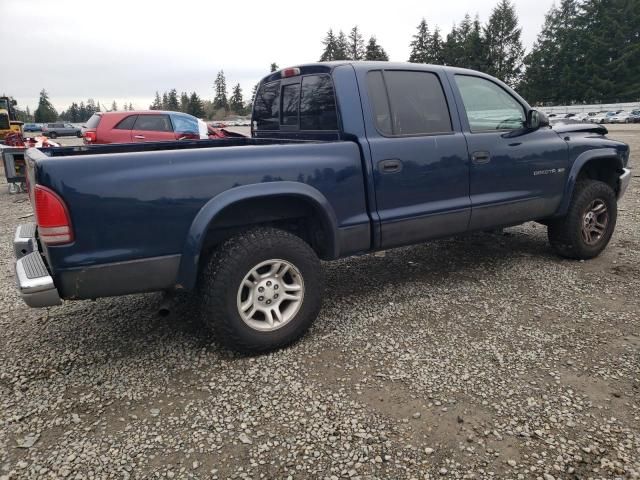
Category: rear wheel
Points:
column 261, row 290
column 589, row 224
column 52, row 135
column 79, row 134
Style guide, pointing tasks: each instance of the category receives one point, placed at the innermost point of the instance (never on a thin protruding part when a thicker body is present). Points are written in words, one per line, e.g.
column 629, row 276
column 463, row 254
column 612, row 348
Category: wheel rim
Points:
column 594, row 222
column 270, row 295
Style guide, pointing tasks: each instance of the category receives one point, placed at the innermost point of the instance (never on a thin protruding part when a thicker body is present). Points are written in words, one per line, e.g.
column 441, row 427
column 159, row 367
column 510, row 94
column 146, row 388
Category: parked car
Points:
column 622, row 117
column 32, row 127
column 364, row 156
column 602, row 117
column 142, row 126
column 55, row 130
column 635, row 116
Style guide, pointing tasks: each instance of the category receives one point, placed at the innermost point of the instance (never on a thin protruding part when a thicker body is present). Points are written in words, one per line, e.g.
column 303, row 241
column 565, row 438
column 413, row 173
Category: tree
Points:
column 274, row 67
column 45, row 111
column 157, row 103
column 165, row 101
column 114, row 106
column 184, row 102
column 236, row 103
column 435, row 47
column 220, row 86
column 355, row 44
column 330, row 47
column 130, row 107
column 342, row 47
column 504, row 46
column 420, row 44
column 172, row 101
column 195, row 106
column 374, row 51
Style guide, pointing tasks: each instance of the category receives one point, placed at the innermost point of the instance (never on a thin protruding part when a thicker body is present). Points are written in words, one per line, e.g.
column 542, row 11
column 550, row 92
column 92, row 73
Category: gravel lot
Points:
column 483, row 356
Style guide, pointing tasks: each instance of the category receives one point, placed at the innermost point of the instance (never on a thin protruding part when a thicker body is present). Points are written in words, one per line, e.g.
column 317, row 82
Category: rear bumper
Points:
column 34, row 282
column 625, row 178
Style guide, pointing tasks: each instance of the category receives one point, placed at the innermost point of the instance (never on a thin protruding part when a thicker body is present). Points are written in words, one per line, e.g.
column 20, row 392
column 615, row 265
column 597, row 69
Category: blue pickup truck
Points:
column 344, row 158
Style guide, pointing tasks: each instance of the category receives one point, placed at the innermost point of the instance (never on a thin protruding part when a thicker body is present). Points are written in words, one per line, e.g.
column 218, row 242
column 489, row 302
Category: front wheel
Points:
column 261, row 290
column 589, row 224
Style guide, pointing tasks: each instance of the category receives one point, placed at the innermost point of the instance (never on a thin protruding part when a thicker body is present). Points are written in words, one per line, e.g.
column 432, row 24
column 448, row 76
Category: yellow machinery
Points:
column 8, row 121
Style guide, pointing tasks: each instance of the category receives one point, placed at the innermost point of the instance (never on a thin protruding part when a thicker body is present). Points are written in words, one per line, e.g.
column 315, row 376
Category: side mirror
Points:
column 536, row 119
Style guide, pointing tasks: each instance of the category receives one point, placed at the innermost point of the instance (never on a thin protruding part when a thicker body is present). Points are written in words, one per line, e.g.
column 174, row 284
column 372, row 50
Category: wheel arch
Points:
column 602, row 164
column 224, row 205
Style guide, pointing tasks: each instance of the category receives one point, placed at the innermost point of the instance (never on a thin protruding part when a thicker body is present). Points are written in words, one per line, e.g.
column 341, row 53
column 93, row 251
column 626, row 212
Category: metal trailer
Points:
column 15, row 168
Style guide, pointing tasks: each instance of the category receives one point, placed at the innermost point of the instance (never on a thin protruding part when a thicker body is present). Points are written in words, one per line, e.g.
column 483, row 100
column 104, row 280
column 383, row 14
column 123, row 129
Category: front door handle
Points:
column 390, row 166
column 480, row 158
column 139, row 137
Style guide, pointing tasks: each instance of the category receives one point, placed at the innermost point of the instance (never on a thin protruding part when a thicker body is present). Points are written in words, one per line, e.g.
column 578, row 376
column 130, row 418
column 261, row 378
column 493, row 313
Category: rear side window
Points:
column 157, row 123
column 185, row 124
column 416, row 103
column 266, row 108
column 93, row 121
column 318, row 104
column 126, row 124
column 4, row 121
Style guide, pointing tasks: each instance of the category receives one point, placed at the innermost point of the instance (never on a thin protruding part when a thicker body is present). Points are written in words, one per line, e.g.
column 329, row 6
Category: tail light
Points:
column 90, row 137
column 54, row 223
column 290, row 72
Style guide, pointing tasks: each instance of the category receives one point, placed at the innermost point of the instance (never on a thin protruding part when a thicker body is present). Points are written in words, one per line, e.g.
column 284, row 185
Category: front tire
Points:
column 261, row 290
column 589, row 224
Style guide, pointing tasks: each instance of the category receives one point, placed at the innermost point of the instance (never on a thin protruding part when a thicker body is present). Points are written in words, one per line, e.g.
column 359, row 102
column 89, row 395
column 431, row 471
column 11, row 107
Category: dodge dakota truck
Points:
column 344, row 158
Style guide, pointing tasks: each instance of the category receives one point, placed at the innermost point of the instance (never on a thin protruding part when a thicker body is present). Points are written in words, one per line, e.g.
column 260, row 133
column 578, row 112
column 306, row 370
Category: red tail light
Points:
column 290, row 72
column 54, row 223
column 90, row 137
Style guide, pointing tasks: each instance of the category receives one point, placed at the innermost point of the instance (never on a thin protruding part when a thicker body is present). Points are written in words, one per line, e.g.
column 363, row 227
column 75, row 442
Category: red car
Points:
column 146, row 126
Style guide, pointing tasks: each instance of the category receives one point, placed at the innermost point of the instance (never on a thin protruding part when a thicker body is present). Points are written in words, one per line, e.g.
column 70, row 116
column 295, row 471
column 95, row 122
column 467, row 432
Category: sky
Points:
column 125, row 50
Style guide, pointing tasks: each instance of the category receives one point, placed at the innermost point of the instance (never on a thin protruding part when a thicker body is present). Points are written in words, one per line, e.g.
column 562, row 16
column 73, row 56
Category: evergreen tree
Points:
column 342, row 47
column 83, row 112
column 330, row 47
column 114, row 106
column 474, row 51
column 172, row 101
column 130, row 107
column 274, row 67
column 435, row 47
column 220, row 86
column 374, row 51
column 452, row 49
column 184, row 102
column 195, row 106
column 157, row 103
column 165, row 101
column 45, row 111
column 504, row 46
column 236, row 103
column 355, row 49
column 420, row 44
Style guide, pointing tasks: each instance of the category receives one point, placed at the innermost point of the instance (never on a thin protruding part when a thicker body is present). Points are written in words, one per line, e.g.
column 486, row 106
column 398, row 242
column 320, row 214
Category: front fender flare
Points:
column 188, row 270
column 581, row 161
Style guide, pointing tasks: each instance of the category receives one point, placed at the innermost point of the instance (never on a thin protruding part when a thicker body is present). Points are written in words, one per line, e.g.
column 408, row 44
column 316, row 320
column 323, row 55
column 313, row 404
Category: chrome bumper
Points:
column 625, row 178
column 35, row 285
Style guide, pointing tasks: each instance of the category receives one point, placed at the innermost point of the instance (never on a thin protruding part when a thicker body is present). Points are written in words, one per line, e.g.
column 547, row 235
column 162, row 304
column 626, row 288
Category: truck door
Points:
column 419, row 156
column 515, row 174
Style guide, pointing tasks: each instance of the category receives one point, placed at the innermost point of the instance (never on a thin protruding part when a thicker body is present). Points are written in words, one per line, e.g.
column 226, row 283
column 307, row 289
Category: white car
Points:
column 622, row 117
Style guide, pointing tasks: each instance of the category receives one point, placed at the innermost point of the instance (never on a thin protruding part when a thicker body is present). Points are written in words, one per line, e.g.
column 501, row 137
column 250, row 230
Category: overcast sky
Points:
column 125, row 50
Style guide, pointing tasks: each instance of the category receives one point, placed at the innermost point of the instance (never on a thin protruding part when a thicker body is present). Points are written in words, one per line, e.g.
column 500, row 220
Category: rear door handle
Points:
column 480, row 158
column 139, row 137
column 392, row 165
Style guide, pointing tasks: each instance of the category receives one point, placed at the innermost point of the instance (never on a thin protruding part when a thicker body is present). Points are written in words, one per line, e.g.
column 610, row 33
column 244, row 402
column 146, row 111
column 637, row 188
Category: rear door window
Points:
column 290, row 104
column 158, row 123
column 414, row 103
column 266, row 107
column 185, row 124
column 126, row 124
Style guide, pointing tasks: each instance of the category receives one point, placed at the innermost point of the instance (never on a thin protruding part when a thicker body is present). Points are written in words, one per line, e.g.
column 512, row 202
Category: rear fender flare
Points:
column 585, row 157
column 188, row 270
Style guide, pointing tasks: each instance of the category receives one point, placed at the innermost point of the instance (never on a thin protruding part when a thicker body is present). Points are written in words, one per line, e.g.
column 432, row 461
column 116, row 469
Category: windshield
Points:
column 4, row 104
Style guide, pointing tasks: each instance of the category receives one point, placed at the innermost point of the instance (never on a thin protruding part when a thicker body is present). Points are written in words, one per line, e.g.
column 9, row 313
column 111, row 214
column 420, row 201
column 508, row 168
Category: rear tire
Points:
column 52, row 135
column 79, row 134
column 261, row 290
column 589, row 223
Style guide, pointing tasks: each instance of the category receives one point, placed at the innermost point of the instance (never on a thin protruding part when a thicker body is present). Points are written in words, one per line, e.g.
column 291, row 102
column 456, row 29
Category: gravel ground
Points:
column 484, row 356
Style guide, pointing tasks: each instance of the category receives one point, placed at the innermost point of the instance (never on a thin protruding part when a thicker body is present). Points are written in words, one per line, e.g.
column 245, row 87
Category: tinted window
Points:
column 126, row 124
column 380, row 102
column 290, row 103
column 4, row 121
column 417, row 102
column 185, row 124
column 159, row 123
column 318, row 104
column 93, row 121
column 266, row 107
column 489, row 106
